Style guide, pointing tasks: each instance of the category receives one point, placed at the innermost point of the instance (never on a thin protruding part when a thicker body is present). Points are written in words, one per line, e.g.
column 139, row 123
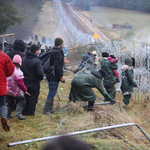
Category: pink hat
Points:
column 17, row 59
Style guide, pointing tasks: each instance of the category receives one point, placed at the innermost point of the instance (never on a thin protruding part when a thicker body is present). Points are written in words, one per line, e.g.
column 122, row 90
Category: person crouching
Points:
column 82, row 84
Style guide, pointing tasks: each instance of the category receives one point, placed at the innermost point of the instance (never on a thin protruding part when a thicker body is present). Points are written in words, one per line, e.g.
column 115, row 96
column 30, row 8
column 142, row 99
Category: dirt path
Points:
column 87, row 24
column 74, row 20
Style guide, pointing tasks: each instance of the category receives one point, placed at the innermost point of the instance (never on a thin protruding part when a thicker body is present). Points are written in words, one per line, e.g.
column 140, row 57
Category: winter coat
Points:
column 57, row 59
column 15, row 85
column 127, row 79
column 19, row 48
column 6, row 70
column 82, row 84
column 108, row 67
column 32, row 69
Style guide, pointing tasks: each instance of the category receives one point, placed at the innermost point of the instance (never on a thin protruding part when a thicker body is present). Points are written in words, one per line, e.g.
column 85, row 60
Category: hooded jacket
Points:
column 32, row 69
column 19, row 48
column 82, row 84
column 127, row 79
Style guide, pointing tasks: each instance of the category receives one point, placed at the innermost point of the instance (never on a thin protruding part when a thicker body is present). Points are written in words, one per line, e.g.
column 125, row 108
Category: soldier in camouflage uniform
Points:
column 127, row 81
column 109, row 79
column 82, row 84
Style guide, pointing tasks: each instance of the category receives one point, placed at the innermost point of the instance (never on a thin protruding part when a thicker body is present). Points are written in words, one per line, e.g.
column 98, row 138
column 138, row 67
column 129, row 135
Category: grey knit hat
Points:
column 128, row 61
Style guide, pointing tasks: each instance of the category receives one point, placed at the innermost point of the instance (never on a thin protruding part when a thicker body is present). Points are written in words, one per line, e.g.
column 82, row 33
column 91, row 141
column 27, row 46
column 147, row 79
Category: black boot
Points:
column 18, row 112
column 48, row 107
column 90, row 106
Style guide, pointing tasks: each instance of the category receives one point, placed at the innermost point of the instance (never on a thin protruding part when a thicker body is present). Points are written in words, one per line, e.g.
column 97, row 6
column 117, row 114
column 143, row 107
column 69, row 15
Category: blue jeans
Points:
column 52, row 90
column 3, row 100
column 3, row 107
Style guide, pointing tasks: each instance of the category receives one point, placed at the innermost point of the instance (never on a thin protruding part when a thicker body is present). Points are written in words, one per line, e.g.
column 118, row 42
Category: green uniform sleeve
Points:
column 130, row 78
column 103, row 91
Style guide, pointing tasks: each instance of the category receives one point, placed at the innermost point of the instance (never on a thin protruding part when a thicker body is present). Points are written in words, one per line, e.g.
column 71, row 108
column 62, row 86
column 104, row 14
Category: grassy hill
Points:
column 108, row 16
column 47, row 25
column 74, row 118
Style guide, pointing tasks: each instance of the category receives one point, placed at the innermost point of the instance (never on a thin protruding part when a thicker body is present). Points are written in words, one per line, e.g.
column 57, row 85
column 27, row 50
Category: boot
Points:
column 90, row 106
column 9, row 113
column 18, row 112
column 5, row 124
column 48, row 107
column 3, row 113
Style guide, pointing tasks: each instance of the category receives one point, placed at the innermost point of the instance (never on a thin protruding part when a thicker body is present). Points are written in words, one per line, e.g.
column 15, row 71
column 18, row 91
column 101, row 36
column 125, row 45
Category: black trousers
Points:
column 31, row 101
column 12, row 101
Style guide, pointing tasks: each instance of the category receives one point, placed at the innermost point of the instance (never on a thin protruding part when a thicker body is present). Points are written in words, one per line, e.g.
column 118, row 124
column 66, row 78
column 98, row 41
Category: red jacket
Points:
column 6, row 70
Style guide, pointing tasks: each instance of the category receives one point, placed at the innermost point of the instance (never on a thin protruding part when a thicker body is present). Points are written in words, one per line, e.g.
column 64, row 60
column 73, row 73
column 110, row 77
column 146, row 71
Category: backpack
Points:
column 45, row 58
column 120, row 84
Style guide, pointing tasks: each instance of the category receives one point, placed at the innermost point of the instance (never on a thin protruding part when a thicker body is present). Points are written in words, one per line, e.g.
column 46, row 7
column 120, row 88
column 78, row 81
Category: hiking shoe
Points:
column 5, row 125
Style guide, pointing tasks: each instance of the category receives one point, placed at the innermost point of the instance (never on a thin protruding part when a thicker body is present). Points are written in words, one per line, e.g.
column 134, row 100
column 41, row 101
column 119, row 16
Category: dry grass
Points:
column 108, row 16
column 75, row 118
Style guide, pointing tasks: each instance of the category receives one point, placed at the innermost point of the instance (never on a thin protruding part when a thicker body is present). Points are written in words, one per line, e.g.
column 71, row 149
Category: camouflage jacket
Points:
column 108, row 67
column 82, row 85
column 127, row 79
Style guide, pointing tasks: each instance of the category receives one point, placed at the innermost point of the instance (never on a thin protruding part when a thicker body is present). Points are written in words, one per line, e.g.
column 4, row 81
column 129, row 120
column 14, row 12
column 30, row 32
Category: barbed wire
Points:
column 67, row 29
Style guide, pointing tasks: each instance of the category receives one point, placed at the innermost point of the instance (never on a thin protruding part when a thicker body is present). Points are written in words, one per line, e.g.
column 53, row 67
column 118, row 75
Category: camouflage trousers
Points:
column 111, row 91
column 126, row 99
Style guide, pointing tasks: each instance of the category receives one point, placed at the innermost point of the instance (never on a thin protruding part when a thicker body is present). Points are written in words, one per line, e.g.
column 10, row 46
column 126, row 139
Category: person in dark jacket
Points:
column 33, row 73
column 19, row 49
column 10, row 48
column 86, row 58
column 6, row 70
column 57, row 59
column 6, row 47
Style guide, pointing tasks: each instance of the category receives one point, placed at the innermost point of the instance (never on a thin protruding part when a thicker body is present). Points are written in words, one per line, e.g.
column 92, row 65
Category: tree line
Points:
column 10, row 15
column 137, row 5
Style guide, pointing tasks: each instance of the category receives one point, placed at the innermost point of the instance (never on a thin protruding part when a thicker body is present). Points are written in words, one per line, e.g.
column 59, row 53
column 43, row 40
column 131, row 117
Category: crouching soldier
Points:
column 127, row 81
column 82, row 84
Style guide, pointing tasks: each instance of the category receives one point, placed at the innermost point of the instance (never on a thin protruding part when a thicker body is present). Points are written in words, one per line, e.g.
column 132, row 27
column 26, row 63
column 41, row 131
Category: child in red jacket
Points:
column 113, row 60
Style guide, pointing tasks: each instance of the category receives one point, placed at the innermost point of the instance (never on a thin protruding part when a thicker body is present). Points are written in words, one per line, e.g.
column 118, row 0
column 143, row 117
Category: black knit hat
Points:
column 58, row 41
column 105, row 54
column 102, row 72
column 112, row 56
column 19, row 45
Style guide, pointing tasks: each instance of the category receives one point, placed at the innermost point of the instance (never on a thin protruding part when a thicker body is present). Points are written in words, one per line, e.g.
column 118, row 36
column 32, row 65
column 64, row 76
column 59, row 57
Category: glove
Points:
column 113, row 101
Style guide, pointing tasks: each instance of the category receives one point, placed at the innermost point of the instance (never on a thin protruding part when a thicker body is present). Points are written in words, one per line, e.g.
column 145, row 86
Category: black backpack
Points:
column 45, row 58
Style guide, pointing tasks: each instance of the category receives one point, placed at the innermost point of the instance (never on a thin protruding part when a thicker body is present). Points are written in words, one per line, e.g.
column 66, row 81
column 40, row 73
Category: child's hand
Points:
column 138, row 87
column 117, row 58
column 27, row 93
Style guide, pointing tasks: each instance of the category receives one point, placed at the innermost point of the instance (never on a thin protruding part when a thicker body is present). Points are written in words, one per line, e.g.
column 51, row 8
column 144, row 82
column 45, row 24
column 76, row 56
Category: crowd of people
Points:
column 22, row 70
